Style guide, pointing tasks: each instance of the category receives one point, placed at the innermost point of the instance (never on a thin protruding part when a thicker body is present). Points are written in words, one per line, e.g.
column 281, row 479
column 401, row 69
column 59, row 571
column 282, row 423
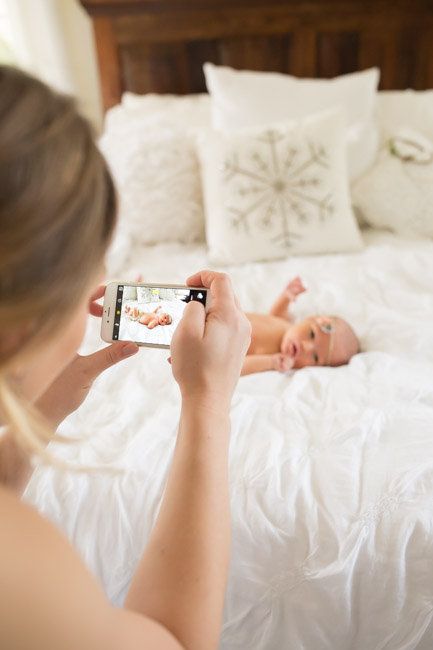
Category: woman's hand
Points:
column 70, row 388
column 208, row 349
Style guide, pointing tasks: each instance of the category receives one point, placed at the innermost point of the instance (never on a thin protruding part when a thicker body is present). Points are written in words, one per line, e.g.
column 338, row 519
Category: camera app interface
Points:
column 151, row 314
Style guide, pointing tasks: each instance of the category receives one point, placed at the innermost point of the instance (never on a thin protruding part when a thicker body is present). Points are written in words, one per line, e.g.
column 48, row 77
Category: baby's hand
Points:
column 294, row 288
column 282, row 362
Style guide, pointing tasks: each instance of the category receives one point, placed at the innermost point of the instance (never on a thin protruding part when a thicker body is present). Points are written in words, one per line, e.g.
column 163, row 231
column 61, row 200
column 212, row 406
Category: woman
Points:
column 57, row 214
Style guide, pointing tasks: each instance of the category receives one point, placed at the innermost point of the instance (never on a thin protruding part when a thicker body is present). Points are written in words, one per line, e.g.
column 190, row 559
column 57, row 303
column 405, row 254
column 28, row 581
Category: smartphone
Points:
column 147, row 314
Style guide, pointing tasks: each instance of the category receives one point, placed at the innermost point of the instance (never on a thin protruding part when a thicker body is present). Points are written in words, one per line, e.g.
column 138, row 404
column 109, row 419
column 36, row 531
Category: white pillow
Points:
column 177, row 111
column 397, row 193
column 158, row 180
column 244, row 98
column 397, row 109
column 277, row 190
column 129, row 293
column 146, row 294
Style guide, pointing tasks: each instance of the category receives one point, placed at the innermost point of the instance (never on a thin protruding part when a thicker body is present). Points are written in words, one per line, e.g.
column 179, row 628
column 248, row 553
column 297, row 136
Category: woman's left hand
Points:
column 70, row 388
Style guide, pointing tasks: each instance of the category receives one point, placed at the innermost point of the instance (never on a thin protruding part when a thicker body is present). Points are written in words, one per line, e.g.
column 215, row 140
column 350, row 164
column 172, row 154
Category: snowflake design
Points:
column 279, row 189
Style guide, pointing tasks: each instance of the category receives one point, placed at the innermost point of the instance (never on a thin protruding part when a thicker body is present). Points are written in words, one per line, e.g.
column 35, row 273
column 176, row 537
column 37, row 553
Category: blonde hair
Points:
column 57, row 214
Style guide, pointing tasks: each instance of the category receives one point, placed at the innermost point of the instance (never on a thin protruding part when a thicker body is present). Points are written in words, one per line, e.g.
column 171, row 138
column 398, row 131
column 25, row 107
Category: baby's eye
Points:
column 312, row 334
column 316, row 359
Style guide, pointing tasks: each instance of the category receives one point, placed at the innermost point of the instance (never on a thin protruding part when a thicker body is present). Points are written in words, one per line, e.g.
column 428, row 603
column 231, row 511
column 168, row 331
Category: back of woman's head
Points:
column 57, row 214
column 57, row 210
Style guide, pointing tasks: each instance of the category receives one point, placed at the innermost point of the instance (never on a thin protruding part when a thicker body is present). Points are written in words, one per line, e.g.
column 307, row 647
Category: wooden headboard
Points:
column 161, row 45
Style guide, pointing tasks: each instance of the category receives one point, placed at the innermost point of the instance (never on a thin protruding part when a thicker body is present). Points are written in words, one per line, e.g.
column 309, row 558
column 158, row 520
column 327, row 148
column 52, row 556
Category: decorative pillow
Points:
column 158, row 180
column 403, row 109
column 397, row 193
column 241, row 98
column 277, row 190
column 145, row 294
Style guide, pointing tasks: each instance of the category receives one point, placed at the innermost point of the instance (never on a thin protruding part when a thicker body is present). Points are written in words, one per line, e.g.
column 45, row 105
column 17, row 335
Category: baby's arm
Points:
column 153, row 323
column 280, row 308
column 155, row 310
column 262, row 362
column 257, row 363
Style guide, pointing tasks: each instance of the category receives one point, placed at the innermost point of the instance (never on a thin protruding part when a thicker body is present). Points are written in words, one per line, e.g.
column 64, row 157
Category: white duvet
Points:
column 331, row 469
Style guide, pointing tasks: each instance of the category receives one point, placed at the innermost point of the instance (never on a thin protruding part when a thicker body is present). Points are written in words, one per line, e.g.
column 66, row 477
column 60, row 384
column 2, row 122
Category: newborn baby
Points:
column 279, row 344
column 150, row 319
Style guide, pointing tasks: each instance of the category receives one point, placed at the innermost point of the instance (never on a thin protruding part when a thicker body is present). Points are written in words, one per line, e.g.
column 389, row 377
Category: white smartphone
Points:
column 147, row 314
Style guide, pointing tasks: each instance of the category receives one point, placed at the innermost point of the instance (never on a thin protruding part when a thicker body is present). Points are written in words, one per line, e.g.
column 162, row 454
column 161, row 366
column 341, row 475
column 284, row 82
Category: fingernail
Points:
column 129, row 349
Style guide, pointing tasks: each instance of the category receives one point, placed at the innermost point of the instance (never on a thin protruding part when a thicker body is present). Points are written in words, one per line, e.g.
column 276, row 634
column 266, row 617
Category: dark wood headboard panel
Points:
column 161, row 45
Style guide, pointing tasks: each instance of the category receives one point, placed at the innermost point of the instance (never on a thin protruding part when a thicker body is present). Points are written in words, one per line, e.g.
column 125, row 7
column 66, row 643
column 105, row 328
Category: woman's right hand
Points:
column 208, row 349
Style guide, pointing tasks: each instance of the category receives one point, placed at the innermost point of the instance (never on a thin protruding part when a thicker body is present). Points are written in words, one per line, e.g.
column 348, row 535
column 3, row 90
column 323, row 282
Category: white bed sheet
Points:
column 331, row 469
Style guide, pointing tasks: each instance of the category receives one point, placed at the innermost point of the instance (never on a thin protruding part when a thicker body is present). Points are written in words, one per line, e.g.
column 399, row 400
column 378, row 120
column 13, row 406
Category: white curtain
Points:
column 54, row 41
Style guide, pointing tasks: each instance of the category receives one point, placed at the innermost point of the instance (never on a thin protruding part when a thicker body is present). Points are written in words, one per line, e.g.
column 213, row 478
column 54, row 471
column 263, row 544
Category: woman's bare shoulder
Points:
column 49, row 599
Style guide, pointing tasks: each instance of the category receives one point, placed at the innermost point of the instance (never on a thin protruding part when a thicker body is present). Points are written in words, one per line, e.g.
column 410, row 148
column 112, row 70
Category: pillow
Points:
column 129, row 293
column 244, row 98
column 167, row 294
column 145, row 294
column 158, row 180
column 276, row 190
column 397, row 193
column 179, row 111
column 397, row 109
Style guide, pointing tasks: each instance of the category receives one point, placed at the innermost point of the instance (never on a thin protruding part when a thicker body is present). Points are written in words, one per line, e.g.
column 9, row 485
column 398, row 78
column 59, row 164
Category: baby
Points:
column 279, row 344
column 150, row 319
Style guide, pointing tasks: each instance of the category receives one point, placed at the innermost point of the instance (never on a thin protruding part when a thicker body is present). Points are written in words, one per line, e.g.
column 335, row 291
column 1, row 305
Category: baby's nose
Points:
column 307, row 346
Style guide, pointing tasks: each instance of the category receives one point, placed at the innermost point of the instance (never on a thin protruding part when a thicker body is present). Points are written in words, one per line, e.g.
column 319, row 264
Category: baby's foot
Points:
column 133, row 314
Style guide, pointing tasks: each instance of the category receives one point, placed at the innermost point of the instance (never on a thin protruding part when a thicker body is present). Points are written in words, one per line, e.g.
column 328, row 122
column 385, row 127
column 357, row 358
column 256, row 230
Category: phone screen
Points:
column 150, row 314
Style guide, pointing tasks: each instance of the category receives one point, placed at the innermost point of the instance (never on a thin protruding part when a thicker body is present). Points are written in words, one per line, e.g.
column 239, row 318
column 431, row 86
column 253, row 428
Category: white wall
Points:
column 54, row 41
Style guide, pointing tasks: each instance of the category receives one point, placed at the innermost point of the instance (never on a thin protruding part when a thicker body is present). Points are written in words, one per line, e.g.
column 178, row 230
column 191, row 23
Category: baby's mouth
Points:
column 293, row 349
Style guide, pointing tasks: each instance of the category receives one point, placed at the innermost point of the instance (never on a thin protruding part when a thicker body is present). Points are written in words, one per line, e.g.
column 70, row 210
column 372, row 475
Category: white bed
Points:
column 331, row 469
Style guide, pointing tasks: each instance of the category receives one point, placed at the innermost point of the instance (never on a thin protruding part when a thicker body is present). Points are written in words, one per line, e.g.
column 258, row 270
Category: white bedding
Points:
column 331, row 469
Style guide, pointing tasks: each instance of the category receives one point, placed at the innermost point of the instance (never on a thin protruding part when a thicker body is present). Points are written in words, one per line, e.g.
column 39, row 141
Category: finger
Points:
column 219, row 284
column 193, row 320
column 98, row 293
column 95, row 309
column 109, row 356
column 139, row 278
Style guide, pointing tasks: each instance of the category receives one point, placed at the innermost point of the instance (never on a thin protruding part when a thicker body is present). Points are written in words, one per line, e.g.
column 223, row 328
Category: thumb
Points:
column 109, row 356
column 193, row 319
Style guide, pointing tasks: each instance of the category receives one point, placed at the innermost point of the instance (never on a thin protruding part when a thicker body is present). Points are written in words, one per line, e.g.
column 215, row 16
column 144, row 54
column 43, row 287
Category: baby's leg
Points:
column 133, row 313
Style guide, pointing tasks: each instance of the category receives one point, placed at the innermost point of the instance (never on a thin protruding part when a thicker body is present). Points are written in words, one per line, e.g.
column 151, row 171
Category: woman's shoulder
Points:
column 41, row 574
column 49, row 599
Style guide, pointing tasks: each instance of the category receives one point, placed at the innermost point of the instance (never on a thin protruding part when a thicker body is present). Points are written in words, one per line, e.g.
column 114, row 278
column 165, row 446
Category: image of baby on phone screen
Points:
column 277, row 343
column 150, row 319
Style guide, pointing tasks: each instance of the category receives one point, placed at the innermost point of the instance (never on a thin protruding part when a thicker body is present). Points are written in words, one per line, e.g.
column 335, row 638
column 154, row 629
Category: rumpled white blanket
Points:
column 331, row 469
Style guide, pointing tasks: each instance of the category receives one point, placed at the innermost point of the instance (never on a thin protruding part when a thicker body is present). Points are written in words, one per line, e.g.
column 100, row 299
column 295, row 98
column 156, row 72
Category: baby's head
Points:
column 165, row 319
column 320, row 341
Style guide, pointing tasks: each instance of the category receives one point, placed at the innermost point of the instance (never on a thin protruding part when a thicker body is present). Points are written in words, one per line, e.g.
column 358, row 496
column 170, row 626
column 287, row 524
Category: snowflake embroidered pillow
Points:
column 278, row 190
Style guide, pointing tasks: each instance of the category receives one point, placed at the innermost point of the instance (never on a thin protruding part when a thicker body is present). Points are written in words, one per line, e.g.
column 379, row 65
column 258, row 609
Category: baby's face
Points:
column 309, row 343
column 164, row 319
